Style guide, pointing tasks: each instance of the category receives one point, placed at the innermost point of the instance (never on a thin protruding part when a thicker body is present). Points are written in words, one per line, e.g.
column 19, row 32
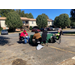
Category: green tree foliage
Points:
column 4, row 12
column 72, row 13
column 1, row 28
column 72, row 22
column 30, row 27
column 30, row 15
column 56, row 21
column 18, row 11
column 72, row 18
column 46, row 16
column 41, row 21
column 22, row 14
column 13, row 20
column 62, row 20
column 27, row 15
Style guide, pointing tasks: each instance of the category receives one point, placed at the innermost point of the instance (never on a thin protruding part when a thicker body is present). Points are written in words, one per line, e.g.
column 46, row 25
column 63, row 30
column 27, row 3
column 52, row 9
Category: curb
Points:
column 68, row 34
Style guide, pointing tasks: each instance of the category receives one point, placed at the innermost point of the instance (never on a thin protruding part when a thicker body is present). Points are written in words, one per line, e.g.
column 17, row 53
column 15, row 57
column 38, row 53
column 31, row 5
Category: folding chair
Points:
column 58, row 39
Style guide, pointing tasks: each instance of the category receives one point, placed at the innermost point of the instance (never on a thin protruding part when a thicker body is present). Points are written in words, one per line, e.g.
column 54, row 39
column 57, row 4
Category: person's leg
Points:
column 36, row 41
column 40, row 39
column 33, row 40
column 54, row 37
column 25, row 40
column 22, row 38
column 62, row 32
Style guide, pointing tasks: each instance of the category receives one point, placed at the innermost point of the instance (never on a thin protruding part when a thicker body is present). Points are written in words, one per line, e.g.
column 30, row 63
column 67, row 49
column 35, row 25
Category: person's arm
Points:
column 33, row 36
column 26, row 34
column 57, row 34
column 21, row 35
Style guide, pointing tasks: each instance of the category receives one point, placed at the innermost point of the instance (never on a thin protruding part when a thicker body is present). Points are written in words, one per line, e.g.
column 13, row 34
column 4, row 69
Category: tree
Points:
column 27, row 15
column 72, row 13
column 72, row 22
column 18, row 11
column 41, row 21
column 45, row 16
column 30, row 15
column 62, row 20
column 13, row 20
column 4, row 12
column 22, row 14
column 56, row 21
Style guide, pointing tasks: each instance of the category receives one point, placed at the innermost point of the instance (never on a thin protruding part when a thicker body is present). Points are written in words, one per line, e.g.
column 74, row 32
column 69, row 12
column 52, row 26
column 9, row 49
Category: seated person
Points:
column 36, row 37
column 44, row 36
column 56, row 36
column 24, row 36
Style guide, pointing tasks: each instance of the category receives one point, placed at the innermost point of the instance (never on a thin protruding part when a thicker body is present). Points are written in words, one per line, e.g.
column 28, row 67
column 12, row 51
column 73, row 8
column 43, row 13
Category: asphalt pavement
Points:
column 53, row 54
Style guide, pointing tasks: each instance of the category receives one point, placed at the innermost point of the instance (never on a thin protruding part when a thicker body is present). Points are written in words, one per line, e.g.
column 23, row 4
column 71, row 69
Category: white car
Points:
column 4, row 32
column 58, row 29
column 51, row 28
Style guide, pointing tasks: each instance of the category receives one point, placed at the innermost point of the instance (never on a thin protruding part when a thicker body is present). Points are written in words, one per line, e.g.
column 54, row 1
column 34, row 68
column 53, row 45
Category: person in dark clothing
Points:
column 44, row 36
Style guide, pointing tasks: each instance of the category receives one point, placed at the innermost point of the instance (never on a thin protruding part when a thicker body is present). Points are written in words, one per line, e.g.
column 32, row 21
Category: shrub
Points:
column 1, row 28
column 30, row 27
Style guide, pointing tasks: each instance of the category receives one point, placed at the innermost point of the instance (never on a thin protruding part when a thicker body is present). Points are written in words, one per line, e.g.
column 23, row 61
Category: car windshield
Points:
column 35, row 28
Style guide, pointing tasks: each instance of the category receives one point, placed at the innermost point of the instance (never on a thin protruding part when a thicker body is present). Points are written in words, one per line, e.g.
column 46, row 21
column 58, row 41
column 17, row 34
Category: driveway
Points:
column 12, row 52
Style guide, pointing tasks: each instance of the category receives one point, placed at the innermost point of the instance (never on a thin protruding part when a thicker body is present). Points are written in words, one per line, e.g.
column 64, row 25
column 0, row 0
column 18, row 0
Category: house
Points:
column 27, row 22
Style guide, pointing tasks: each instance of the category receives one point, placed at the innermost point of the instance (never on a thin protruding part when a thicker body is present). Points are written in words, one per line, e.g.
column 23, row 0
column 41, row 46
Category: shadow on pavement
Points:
column 4, row 40
column 22, row 42
column 19, row 42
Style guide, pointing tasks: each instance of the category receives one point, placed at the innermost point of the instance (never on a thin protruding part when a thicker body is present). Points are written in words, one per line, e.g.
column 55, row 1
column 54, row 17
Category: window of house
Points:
column 23, row 22
column 48, row 22
column 32, row 22
column 26, row 22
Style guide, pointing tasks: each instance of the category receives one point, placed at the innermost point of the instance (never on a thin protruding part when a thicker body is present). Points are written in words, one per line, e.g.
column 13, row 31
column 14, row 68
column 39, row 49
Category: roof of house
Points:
column 24, row 18
column 2, row 18
column 49, row 19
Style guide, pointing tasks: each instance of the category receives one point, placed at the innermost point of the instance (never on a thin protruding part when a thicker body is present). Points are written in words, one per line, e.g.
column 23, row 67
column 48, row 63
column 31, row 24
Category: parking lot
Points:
column 53, row 54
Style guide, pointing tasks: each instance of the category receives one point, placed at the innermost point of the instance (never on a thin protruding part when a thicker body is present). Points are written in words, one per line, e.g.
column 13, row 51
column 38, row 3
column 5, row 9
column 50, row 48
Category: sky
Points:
column 51, row 13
